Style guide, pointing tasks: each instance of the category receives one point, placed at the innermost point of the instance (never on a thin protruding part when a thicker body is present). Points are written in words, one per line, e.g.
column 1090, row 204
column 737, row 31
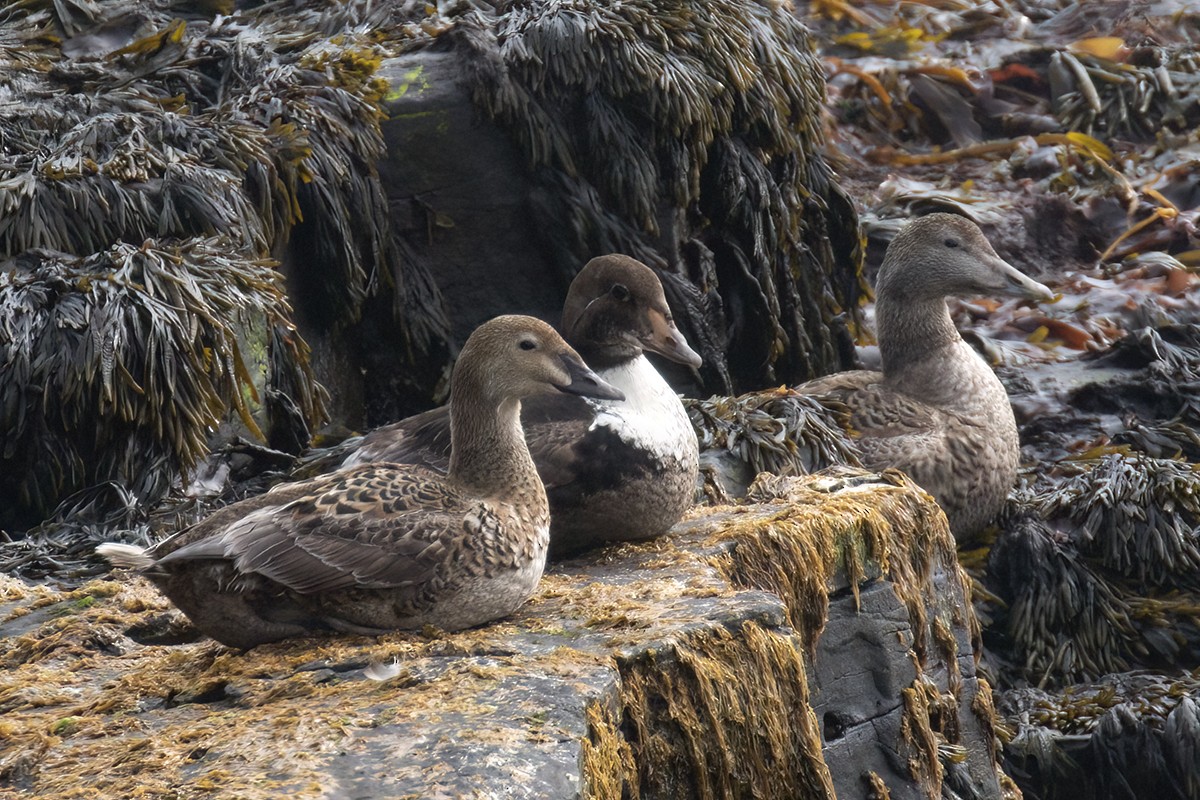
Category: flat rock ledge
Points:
column 816, row 642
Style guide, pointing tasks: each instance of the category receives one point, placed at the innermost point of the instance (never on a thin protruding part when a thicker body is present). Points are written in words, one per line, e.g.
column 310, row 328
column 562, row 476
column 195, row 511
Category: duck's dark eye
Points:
column 951, row 243
column 619, row 291
column 528, row 344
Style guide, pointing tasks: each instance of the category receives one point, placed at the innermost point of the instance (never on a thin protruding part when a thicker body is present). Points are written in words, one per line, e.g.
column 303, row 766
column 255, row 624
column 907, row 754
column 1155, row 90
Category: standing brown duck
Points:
column 937, row 410
column 386, row 546
column 613, row 469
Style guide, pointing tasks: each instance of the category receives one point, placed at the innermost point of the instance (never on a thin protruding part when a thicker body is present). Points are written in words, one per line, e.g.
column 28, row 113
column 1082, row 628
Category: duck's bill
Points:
column 666, row 340
column 1018, row 284
column 1029, row 288
column 587, row 383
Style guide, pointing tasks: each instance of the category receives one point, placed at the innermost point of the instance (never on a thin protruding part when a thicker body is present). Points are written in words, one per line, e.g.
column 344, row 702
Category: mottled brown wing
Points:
column 375, row 526
column 423, row 439
column 225, row 516
column 554, row 427
column 888, row 427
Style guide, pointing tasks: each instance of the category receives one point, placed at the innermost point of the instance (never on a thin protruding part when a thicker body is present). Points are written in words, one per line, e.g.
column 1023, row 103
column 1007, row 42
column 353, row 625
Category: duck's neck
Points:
column 488, row 454
column 910, row 331
column 603, row 357
column 917, row 340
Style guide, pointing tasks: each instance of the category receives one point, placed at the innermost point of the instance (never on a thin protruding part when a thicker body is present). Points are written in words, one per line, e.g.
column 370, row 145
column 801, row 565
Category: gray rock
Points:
column 731, row 659
column 459, row 193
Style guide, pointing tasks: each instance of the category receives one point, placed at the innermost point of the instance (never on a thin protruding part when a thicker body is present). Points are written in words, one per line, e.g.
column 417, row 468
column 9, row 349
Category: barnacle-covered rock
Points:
column 817, row 642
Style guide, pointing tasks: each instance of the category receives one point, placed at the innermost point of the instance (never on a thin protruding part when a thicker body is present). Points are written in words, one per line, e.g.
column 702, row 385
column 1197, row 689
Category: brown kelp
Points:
column 1136, row 734
column 1098, row 563
column 136, row 353
column 777, row 431
column 1075, row 127
column 194, row 130
column 1097, row 567
column 159, row 158
column 686, row 134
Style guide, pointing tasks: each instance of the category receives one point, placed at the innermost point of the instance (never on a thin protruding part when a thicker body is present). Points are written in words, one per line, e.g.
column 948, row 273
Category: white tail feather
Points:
column 125, row 555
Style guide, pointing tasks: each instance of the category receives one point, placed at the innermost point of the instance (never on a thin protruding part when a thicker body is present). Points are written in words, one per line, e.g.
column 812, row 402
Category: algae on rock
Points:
column 723, row 714
column 663, row 669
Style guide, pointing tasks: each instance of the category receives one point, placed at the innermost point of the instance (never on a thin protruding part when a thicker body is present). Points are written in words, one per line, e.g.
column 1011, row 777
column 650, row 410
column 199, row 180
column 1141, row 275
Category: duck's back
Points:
column 963, row 452
column 373, row 548
column 613, row 470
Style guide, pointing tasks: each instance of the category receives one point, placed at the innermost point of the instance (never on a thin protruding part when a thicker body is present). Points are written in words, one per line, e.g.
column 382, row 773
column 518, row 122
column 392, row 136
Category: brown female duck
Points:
column 936, row 411
column 386, row 546
column 613, row 469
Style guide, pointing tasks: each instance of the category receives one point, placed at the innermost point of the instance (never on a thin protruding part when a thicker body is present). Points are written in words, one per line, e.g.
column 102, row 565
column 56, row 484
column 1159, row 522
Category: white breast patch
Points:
column 651, row 417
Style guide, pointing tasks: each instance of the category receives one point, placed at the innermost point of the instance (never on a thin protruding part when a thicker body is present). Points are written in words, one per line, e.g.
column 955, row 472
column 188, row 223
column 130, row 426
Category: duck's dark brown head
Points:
column 615, row 309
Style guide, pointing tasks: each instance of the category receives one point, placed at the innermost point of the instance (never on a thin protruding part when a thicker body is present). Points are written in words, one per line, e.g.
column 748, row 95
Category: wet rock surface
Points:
column 697, row 665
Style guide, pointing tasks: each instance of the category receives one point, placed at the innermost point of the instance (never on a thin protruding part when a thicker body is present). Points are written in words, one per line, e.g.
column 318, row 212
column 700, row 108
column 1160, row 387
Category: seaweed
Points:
column 839, row 530
column 141, row 348
column 607, row 757
column 723, row 714
column 1058, row 75
column 625, row 111
column 1099, row 574
column 160, row 159
column 199, row 129
column 827, row 525
column 1062, row 618
column 778, row 431
column 1125, row 736
column 1138, row 516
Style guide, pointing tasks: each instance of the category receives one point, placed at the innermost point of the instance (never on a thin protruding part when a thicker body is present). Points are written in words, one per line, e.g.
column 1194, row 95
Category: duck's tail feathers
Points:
column 129, row 556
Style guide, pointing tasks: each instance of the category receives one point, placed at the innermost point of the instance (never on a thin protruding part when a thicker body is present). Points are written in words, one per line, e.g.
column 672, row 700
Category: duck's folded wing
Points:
column 423, row 439
column 555, row 425
column 371, row 527
column 888, row 426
